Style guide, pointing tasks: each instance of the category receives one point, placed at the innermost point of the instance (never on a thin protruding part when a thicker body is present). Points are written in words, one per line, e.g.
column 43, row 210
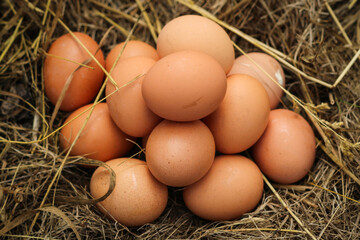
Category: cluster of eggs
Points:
column 195, row 107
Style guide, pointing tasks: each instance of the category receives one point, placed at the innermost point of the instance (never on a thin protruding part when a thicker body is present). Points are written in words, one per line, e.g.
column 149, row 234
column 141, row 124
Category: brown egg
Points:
column 233, row 186
column 127, row 106
column 263, row 62
column 133, row 48
column 64, row 57
column 138, row 198
column 193, row 32
column 241, row 117
column 184, row 86
column 286, row 151
column 101, row 139
column 180, row 153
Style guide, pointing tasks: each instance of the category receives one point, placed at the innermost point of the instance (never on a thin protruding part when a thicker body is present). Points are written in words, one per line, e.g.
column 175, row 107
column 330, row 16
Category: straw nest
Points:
column 45, row 195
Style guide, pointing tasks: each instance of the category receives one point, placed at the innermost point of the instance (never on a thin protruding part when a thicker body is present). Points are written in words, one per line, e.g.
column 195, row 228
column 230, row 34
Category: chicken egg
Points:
column 101, row 139
column 242, row 116
column 193, row 32
column 127, row 106
column 63, row 62
column 133, row 48
column 233, row 186
column 180, row 153
column 138, row 198
column 184, row 86
column 286, row 151
column 263, row 67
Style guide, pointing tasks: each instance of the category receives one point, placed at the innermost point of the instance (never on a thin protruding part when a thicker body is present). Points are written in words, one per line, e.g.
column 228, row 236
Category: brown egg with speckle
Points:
column 138, row 198
column 180, row 153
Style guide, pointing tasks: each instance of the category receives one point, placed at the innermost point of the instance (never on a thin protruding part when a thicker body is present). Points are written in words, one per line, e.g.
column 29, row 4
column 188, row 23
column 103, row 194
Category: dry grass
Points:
column 44, row 194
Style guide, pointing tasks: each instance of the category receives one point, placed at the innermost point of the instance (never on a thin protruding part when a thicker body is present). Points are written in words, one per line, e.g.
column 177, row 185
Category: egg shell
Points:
column 261, row 66
column 127, row 106
column 133, row 48
column 180, row 153
column 138, row 198
column 101, row 139
column 85, row 83
column 242, row 116
column 193, row 32
column 233, row 186
column 286, row 151
column 184, row 86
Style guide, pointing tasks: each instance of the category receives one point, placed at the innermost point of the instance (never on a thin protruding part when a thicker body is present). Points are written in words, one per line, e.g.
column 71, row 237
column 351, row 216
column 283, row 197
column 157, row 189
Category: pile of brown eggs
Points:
column 195, row 107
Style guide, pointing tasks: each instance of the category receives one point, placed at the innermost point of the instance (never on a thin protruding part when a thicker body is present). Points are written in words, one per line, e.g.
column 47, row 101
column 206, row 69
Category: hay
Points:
column 44, row 194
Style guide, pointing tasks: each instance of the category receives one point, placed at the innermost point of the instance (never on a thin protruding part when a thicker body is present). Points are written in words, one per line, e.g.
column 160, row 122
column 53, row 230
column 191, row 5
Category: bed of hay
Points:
column 45, row 195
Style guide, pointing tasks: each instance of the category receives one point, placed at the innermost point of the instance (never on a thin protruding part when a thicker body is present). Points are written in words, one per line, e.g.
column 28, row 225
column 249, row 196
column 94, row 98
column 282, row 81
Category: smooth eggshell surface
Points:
column 64, row 57
column 127, row 106
column 233, row 186
column 242, row 116
column 101, row 139
column 286, row 151
column 193, row 32
column 133, row 48
column 180, row 153
column 261, row 66
column 184, row 86
column 138, row 198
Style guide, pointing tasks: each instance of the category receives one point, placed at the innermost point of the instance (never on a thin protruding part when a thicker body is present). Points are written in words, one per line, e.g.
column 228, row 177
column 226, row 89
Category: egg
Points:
column 62, row 63
column 242, row 116
column 193, row 32
column 180, row 153
column 232, row 187
column 138, row 198
column 286, row 151
column 184, row 86
column 127, row 106
column 101, row 139
column 254, row 64
column 133, row 48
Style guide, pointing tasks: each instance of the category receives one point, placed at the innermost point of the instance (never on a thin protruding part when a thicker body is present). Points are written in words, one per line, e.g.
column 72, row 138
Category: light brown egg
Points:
column 64, row 57
column 193, row 32
column 180, row 153
column 138, row 198
column 133, row 48
column 127, row 106
column 263, row 62
column 184, row 86
column 101, row 139
column 286, row 151
column 242, row 116
column 232, row 187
